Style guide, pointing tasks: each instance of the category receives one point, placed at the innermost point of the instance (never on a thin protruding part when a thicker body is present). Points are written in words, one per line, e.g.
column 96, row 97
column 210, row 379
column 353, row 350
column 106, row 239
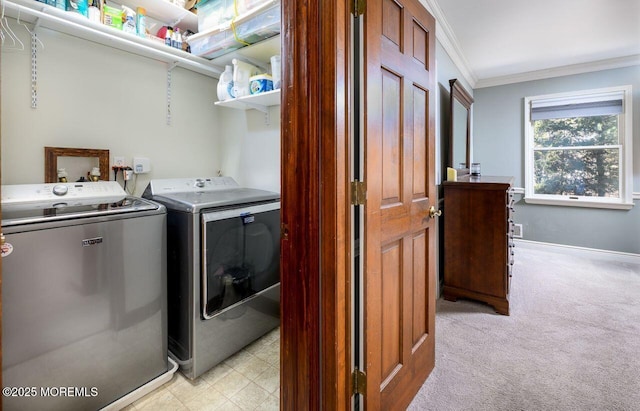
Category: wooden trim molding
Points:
column 335, row 215
column 300, row 259
column 51, row 155
column 315, row 338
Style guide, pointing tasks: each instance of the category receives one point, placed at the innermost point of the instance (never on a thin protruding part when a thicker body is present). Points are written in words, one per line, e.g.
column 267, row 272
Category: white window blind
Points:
column 608, row 104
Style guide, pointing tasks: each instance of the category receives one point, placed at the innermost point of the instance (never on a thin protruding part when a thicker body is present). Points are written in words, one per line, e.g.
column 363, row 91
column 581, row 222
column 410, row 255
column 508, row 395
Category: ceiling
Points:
column 497, row 42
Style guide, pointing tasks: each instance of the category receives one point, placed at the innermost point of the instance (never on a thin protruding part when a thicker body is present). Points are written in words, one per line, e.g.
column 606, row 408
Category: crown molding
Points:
column 448, row 40
column 572, row 69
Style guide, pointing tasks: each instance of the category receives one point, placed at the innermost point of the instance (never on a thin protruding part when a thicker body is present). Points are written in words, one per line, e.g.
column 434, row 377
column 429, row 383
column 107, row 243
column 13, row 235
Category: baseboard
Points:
column 140, row 392
column 520, row 190
column 580, row 251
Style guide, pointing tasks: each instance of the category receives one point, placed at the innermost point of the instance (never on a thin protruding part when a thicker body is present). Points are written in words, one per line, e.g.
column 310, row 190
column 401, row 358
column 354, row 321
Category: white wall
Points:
column 93, row 96
column 252, row 147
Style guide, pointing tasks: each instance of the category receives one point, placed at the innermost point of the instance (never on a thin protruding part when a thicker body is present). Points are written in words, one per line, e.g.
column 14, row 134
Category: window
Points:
column 578, row 148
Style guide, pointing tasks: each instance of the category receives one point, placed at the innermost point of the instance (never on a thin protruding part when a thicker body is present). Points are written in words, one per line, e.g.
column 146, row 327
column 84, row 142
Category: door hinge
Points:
column 359, row 379
column 358, row 192
column 359, row 7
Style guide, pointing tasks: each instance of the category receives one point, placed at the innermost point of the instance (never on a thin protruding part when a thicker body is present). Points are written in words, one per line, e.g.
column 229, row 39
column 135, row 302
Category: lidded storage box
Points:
column 255, row 24
column 214, row 13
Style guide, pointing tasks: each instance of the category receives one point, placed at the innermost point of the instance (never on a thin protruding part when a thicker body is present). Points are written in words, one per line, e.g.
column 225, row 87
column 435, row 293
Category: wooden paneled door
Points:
column 400, row 235
column 398, row 135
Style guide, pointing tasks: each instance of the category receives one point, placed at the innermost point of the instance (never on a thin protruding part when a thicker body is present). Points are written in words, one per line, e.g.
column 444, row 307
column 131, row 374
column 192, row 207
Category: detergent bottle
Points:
column 225, row 85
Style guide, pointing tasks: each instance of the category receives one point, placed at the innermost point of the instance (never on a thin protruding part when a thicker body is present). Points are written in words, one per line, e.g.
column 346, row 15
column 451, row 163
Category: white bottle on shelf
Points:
column 178, row 39
column 94, row 12
column 167, row 36
column 174, row 38
column 276, row 71
column 242, row 72
column 225, row 84
column 129, row 24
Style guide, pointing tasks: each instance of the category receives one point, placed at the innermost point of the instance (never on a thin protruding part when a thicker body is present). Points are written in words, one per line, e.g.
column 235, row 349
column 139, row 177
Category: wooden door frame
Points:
column 315, row 340
column 315, row 151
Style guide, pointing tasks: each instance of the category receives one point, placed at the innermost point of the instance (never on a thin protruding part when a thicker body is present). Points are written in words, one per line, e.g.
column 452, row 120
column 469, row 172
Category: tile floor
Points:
column 249, row 380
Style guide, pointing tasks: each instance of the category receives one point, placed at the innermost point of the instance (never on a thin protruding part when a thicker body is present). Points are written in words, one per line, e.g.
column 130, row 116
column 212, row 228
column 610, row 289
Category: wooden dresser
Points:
column 478, row 244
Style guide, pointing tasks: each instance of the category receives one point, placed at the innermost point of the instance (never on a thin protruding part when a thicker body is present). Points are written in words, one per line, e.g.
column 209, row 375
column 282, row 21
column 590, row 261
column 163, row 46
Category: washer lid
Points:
column 34, row 203
column 39, row 212
column 193, row 202
column 194, row 194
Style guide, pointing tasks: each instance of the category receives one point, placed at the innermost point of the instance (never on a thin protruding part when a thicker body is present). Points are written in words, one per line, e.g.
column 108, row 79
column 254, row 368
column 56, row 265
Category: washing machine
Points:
column 84, row 301
column 223, row 251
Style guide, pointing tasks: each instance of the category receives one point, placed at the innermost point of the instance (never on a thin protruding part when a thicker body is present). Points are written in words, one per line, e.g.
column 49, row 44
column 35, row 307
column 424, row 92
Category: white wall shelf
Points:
column 76, row 25
column 258, row 54
column 260, row 102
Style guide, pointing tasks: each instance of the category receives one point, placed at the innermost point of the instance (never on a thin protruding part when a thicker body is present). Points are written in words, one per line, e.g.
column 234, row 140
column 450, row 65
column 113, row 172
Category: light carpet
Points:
column 572, row 341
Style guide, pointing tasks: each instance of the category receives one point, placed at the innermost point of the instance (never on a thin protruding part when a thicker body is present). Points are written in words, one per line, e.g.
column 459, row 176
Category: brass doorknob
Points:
column 433, row 213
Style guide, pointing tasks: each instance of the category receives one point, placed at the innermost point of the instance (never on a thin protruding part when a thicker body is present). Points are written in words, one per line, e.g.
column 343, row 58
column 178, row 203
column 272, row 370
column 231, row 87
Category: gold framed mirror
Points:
column 81, row 158
column 459, row 127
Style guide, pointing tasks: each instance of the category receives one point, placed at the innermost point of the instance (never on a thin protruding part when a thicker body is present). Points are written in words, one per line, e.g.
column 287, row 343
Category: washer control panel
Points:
column 26, row 193
column 191, row 185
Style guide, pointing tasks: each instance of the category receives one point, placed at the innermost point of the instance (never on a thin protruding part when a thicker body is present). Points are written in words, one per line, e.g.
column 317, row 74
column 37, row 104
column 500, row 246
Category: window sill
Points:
column 617, row 205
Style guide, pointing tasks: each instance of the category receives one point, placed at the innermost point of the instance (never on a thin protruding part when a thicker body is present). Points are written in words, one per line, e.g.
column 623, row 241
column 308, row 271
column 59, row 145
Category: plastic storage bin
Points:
column 213, row 13
column 210, row 45
column 262, row 23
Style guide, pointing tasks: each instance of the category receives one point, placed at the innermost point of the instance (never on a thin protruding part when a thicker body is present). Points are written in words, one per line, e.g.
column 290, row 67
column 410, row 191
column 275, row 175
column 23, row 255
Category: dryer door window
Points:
column 241, row 255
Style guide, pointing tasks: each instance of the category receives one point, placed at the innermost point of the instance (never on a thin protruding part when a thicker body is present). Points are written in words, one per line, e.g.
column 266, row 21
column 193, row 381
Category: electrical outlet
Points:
column 517, row 231
column 118, row 161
